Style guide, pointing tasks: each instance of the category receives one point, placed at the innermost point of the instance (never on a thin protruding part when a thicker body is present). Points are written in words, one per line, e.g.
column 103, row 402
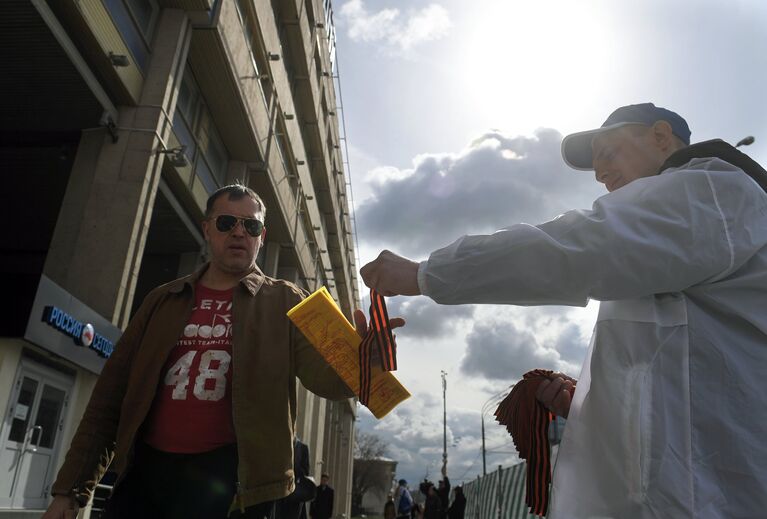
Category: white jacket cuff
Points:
column 422, row 277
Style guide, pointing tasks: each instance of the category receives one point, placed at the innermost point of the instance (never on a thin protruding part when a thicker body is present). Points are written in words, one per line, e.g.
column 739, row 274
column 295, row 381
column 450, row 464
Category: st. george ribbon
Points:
column 379, row 333
column 527, row 420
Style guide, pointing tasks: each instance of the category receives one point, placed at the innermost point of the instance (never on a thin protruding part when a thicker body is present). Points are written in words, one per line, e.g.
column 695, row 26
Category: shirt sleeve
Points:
column 665, row 233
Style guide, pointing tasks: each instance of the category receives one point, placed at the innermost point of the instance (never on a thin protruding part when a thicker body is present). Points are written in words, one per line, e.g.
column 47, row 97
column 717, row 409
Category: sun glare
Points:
column 536, row 63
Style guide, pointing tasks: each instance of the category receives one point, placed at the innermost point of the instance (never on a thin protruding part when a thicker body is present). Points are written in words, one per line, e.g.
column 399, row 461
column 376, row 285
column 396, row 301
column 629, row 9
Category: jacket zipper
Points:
column 238, row 497
column 132, row 451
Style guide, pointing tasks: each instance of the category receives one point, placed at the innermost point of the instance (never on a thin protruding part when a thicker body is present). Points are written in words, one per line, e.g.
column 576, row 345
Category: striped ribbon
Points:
column 379, row 333
column 527, row 420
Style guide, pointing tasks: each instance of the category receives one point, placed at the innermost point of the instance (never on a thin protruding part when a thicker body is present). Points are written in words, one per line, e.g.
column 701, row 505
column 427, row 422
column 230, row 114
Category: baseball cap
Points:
column 576, row 147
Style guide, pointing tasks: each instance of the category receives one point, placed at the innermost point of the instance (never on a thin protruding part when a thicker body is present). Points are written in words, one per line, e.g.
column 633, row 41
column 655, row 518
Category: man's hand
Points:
column 391, row 275
column 361, row 323
column 62, row 507
column 557, row 394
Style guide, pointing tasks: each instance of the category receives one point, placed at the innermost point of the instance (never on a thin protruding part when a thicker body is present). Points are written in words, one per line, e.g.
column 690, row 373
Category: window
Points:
column 331, row 31
column 184, row 119
column 206, row 175
column 194, row 128
column 211, row 146
column 135, row 19
column 255, row 47
column 144, row 14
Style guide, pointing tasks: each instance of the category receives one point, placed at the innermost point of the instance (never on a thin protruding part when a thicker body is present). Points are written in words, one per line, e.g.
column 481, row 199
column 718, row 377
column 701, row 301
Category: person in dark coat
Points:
column 390, row 511
column 458, row 507
column 292, row 507
column 433, row 508
column 444, row 495
column 322, row 506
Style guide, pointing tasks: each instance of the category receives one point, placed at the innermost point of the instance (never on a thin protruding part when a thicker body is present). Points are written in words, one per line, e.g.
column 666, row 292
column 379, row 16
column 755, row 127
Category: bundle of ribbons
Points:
column 378, row 334
column 527, row 420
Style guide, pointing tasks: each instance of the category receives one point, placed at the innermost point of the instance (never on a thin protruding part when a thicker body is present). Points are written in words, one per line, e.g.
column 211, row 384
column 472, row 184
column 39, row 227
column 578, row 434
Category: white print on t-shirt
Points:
column 215, row 304
column 178, row 375
column 220, row 327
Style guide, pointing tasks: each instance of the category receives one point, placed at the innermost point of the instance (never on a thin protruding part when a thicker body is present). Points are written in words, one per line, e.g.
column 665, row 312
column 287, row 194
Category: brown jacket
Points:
column 268, row 354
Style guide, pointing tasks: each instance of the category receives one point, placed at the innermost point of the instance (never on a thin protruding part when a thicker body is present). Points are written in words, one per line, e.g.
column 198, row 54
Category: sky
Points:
column 454, row 114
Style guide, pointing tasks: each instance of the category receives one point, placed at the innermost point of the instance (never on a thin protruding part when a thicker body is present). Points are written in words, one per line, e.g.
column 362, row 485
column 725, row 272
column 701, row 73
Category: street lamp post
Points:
column 745, row 141
column 444, row 423
column 484, row 460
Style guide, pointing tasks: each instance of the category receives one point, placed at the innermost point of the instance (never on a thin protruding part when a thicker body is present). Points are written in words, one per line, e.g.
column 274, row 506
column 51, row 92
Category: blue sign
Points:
column 65, row 326
column 82, row 334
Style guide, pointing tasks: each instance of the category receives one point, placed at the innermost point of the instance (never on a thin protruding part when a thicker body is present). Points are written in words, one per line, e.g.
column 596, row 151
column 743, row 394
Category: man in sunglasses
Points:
column 196, row 408
column 669, row 415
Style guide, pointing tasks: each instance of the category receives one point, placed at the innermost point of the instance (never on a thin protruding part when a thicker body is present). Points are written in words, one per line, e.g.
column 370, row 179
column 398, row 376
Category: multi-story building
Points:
column 117, row 119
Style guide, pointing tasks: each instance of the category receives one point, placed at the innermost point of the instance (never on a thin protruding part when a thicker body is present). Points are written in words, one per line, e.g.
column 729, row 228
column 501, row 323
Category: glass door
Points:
column 31, row 436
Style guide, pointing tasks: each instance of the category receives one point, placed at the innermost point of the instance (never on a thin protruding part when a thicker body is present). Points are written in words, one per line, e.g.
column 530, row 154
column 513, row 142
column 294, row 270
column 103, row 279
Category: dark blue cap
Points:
column 576, row 148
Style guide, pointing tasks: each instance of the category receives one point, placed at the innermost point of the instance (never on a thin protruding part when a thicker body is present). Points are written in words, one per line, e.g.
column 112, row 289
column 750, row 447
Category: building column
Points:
column 318, row 435
column 98, row 242
column 346, row 463
column 272, row 260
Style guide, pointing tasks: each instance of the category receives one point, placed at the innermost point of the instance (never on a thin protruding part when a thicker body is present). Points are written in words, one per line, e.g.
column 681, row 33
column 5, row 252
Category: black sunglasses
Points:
column 226, row 222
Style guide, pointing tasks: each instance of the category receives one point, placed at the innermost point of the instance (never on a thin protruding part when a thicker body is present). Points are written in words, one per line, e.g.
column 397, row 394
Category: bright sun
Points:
column 537, row 63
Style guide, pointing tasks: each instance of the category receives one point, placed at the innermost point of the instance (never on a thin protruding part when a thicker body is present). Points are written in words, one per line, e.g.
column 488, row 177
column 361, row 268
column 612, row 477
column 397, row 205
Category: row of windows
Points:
column 256, row 50
column 192, row 122
column 194, row 128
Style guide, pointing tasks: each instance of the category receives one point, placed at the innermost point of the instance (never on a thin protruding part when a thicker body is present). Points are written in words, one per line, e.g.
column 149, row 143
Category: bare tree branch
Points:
column 372, row 472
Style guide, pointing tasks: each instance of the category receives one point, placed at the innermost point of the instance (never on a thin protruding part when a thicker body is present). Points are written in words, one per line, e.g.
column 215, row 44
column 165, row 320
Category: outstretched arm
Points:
column 655, row 235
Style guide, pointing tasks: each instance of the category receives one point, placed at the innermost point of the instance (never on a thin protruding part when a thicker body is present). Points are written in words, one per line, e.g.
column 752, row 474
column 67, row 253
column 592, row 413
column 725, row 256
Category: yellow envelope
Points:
column 325, row 326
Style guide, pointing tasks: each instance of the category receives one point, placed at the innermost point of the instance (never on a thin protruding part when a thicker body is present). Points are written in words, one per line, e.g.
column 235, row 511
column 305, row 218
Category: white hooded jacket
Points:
column 670, row 413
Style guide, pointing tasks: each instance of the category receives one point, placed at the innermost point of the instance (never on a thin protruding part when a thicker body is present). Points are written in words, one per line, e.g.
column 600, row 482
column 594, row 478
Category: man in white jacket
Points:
column 669, row 414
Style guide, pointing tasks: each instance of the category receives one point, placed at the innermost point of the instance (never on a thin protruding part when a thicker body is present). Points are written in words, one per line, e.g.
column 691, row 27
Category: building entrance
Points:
column 31, row 435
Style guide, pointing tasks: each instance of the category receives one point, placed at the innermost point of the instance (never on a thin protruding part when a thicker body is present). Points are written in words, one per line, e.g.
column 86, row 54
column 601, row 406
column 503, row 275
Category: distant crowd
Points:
column 430, row 502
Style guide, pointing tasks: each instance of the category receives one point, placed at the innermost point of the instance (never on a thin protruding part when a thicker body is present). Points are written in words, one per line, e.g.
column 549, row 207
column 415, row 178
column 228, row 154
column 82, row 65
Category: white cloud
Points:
column 500, row 350
column 391, row 28
column 495, row 182
column 427, row 319
column 383, row 174
column 413, row 434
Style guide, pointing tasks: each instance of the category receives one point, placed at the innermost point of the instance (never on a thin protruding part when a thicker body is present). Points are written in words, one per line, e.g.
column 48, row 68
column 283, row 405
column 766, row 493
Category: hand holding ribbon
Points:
column 527, row 420
column 379, row 333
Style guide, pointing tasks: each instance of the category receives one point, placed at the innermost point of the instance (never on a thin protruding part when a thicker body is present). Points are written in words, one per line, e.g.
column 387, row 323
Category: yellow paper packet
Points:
column 325, row 326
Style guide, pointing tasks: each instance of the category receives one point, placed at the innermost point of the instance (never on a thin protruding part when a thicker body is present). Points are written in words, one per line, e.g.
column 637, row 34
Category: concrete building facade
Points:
column 117, row 119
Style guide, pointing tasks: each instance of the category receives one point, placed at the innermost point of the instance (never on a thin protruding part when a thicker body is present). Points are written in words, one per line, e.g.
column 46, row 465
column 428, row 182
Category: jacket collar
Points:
column 719, row 149
column 252, row 282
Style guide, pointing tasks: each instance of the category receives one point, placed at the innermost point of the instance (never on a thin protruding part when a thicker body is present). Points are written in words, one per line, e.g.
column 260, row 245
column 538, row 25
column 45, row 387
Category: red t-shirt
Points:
column 192, row 410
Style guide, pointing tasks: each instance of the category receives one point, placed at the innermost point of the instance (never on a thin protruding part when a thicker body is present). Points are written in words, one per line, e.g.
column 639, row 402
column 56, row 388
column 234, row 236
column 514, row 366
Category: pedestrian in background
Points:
column 433, row 506
column 294, row 506
column 322, row 506
column 444, row 494
column 458, row 507
column 404, row 500
column 389, row 511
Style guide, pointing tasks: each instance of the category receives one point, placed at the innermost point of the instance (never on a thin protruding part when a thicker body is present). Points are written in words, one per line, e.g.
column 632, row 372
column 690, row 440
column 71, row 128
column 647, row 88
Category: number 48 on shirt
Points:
column 178, row 375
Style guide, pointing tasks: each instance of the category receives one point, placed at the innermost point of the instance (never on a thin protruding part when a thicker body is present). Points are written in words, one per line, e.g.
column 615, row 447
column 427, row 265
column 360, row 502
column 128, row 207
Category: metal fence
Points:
column 498, row 495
